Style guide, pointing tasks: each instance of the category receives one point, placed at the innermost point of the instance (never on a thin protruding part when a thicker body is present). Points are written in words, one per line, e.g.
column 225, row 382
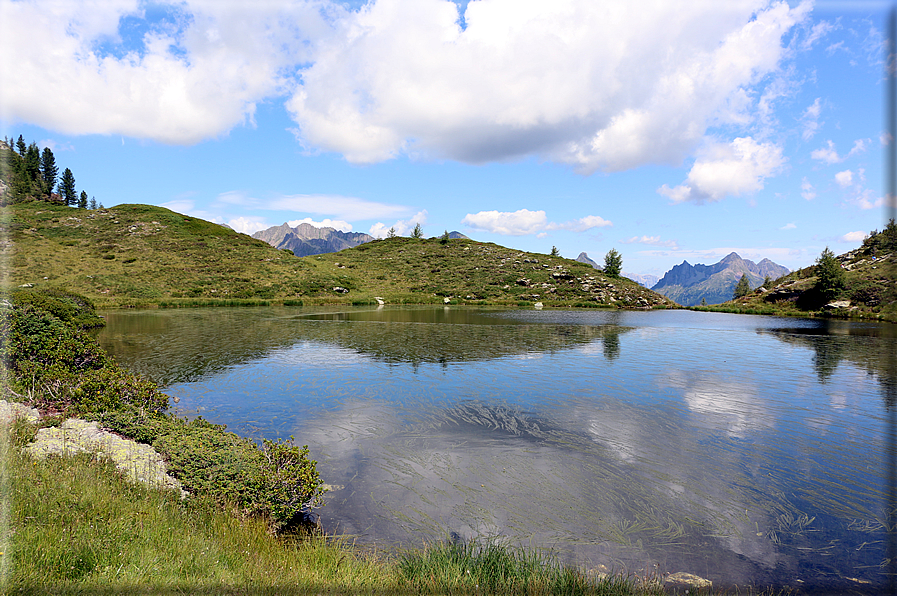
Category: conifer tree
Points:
column 82, row 200
column 417, row 232
column 613, row 263
column 743, row 288
column 829, row 275
column 93, row 202
column 21, row 146
column 32, row 162
column 391, row 233
column 49, row 171
column 67, row 188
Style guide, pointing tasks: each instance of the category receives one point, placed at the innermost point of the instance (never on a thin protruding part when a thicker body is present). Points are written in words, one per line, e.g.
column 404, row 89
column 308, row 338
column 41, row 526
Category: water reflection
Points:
column 706, row 444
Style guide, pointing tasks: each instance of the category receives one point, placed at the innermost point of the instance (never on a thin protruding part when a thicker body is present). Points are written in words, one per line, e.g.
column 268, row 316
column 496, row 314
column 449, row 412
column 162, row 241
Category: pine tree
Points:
column 391, row 233
column 32, row 162
column 743, row 288
column 82, row 201
column 93, row 202
column 445, row 238
column 21, row 146
column 613, row 263
column 49, row 171
column 67, row 188
column 417, row 232
column 829, row 275
column 555, row 252
column 767, row 282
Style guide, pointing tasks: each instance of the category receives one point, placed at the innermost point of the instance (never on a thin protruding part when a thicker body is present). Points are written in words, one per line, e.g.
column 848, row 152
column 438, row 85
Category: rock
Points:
column 26, row 286
column 139, row 462
column 446, row 300
column 379, row 300
column 10, row 411
column 837, row 304
column 538, row 305
column 340, row 290
column 686, row 580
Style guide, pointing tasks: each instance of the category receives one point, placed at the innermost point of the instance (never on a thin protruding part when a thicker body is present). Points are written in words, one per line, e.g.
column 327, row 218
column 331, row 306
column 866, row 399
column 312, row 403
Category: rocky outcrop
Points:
column 306, row 239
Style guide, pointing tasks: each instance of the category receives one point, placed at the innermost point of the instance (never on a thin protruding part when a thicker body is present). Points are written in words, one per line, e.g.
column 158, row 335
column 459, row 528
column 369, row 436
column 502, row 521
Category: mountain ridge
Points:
column 689, row 285
column 305, row 239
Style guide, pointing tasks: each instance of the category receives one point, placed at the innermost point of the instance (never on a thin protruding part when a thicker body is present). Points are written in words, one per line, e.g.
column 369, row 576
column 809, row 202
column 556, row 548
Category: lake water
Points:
column 744, row 449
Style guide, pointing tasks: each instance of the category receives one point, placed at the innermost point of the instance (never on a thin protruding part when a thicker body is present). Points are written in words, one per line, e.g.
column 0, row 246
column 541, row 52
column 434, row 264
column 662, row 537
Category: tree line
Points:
column 28, row 174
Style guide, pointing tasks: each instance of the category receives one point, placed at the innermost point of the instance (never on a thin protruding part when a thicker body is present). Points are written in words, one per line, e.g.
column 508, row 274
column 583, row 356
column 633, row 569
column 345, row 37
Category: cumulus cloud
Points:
column 599, row 86
column 857, row 236
column 844, row 179
column 247, row 225
column 736, row 168
column 829, row 155
column 603, row 87
column 194, row 74
column 337, row 224
column 524, row 221
column 806, row 189
column 402, row 227
column 652, row 241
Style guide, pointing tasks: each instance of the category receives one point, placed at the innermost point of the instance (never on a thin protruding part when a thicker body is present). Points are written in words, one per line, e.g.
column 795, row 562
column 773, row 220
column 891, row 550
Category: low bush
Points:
column 62, row 369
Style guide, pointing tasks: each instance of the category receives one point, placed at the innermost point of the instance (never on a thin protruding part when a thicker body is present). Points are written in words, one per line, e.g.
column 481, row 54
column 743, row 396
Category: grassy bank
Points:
column 78, row 526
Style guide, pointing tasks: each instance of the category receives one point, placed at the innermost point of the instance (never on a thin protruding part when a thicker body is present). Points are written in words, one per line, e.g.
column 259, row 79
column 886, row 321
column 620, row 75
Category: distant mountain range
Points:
column 306, row 239
column 688, row 284
column 644, row 280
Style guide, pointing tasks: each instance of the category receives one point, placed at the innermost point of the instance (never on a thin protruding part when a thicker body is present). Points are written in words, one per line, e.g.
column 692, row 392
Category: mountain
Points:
column 306, row 239
column 689, row 284
column 644, row 280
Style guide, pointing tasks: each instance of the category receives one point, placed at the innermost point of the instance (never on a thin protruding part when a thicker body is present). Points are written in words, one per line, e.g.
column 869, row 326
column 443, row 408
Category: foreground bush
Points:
column 61, row 369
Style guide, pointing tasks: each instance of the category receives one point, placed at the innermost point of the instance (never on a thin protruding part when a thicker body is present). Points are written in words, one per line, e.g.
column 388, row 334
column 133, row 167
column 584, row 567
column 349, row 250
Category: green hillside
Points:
column 866, row 285
column 140, row 255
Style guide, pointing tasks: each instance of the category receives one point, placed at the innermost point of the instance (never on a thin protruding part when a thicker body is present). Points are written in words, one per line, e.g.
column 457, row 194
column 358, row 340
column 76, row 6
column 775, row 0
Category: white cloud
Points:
column 248, row 225
column 524, row 221
column 402, row 227
column 337, row 224
column 182, row 206
column 857, row 236
column 829, row 155
column 810, row 119
column 789, row 226
column 652, row 241
column 195, row 75
column 737, row 168
column 518, row 223
column 806, row 189
column 601, row 86
column 844, row 179
column 341, row 207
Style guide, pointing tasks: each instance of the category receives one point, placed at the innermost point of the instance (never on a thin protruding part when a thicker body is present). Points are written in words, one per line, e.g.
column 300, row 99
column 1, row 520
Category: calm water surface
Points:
column 744, row 449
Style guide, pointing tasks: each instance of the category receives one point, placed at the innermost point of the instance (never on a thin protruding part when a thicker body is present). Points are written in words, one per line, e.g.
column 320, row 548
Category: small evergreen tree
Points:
column 32, row 162
column 21, row 146
column 703, row 302
column 445, row 238
column 743, row 288
column 767, row 282
column 613, row 263
column 391, row 233
column 67, row 188
column 49, row 171
column 554, row 251
column 829, row 275
column 93, row 202
column 418, row 232
column 82, row 200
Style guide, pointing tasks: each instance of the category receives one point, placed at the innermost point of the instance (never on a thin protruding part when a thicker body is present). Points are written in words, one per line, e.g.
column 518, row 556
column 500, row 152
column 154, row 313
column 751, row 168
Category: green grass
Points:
column 143, row 256
column 74, row 525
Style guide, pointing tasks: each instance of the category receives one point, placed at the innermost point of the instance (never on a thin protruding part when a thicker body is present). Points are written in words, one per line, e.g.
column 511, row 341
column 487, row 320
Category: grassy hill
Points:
column 140, row 255
column 869, row 290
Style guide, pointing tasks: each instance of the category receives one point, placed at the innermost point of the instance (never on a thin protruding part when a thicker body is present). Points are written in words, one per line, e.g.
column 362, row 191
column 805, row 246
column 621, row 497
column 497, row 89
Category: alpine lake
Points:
column 748, row 450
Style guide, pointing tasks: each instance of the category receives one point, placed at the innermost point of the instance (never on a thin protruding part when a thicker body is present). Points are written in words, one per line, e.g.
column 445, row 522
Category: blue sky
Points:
column 669, row 131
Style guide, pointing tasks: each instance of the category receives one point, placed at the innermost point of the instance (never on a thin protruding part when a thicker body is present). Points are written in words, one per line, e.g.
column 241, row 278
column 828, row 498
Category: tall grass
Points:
column 77, row 526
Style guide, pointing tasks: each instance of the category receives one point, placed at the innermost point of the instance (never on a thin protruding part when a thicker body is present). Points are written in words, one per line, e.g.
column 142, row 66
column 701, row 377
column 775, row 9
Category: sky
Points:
column 670, row 131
